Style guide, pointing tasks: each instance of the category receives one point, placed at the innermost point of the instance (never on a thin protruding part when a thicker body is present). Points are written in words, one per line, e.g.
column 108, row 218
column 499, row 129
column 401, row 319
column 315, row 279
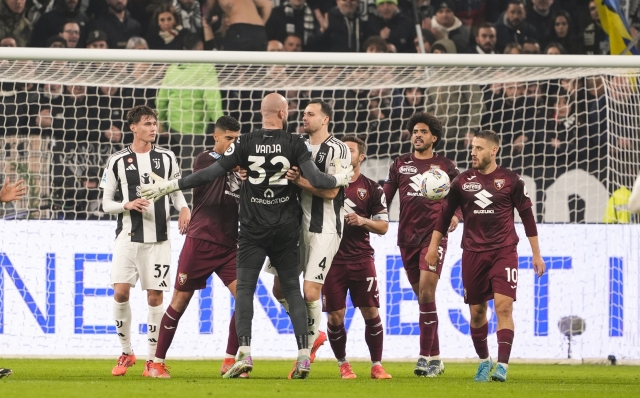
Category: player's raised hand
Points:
column 139, row 204
column 10, row 192
column 343, row 174
column 538, row 265
column 183, row 220
column 159, row 188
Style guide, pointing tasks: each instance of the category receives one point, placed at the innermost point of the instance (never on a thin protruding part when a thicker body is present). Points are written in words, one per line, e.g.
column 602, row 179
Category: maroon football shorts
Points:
column 486, row 273
column 413, row 260
column 201, row 258
column 360, row 279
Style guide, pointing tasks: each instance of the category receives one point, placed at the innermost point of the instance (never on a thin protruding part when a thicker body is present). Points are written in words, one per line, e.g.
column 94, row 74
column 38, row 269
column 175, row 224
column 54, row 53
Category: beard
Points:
column 118, row 7
column 425, row 147
column 482, row 163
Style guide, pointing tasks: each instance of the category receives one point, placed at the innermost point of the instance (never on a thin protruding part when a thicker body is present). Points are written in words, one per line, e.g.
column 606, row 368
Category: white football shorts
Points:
column 149, row 262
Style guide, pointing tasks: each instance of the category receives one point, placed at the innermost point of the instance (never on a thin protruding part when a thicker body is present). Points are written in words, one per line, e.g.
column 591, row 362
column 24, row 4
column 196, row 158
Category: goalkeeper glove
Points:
column 159, row 188
column 343, row 174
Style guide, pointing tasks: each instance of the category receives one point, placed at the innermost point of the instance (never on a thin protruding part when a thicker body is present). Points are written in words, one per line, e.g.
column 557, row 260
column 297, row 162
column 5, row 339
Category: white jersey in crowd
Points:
column 125, row 174
column 322, row 215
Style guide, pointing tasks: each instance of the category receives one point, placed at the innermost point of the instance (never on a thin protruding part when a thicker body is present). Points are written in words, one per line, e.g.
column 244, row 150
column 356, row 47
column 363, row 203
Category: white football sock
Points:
column 314, row 312
column 304, row 352
column 285, row 304
column 154, row 317
column 122, row 316
column 244, row 351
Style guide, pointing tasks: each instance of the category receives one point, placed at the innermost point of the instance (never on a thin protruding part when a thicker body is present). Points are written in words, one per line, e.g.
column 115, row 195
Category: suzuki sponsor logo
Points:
column 483, row 201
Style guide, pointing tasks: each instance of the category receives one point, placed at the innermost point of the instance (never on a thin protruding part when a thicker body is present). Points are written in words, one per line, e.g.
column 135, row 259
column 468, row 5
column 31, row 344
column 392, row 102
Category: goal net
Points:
column 570, row 126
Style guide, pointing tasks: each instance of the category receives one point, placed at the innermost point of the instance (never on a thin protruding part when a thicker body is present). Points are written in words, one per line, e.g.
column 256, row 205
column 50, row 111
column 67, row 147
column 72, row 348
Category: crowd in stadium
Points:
column 448, row 26
column 564, row 121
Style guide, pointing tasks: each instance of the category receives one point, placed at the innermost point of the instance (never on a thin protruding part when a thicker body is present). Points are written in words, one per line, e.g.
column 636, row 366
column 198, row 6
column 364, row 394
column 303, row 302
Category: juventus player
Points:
column 210, row 246
column 353, row 268
column 321, row 217
column 418, row 216
column 487, row 195
column 142, row 249
column 269, row 219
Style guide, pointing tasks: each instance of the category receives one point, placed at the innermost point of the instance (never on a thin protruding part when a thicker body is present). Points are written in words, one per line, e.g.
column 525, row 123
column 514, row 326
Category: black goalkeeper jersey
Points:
column 267, row 199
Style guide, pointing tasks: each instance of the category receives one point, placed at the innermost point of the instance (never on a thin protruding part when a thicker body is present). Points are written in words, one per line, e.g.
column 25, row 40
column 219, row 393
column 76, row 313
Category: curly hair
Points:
column 435, row 126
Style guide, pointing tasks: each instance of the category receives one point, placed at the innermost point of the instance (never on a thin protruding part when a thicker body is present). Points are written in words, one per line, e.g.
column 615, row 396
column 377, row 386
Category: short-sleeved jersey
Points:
column 418, row 214
column 323, row 215
column 267, row 198
column 366, row 198
column 126, row 172
column 487, row 203
column 215, row 205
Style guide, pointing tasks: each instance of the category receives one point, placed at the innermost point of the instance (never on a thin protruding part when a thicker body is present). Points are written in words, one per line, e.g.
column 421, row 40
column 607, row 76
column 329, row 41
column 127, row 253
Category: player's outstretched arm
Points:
column 634, row 199
column 293, row 175
column 163, row 187
column 321, row 180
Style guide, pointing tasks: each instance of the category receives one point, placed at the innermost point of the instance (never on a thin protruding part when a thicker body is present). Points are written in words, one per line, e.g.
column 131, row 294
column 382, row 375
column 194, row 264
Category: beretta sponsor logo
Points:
column 408, row 170
column 471, row 186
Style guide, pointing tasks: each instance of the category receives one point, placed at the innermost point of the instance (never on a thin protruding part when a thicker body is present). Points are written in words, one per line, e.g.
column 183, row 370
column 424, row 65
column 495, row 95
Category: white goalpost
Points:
column 570, row 126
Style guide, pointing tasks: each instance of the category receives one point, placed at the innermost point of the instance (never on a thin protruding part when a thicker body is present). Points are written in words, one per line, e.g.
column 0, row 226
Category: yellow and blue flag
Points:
column 615, row 24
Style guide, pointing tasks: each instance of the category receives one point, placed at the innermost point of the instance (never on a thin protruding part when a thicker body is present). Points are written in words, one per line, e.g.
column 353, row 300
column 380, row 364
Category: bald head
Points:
column 274, row 110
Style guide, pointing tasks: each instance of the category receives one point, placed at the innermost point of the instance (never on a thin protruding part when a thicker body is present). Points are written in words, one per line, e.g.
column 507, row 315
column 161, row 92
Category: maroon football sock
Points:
column 232, row 338
column 435, row 346
column 428, row 327
column 374, row 336
column 479, row 337
column 505, row 341
column 338, row 340
column 168, row 327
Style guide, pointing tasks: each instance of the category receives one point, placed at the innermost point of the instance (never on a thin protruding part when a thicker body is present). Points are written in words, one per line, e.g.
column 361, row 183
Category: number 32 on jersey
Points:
column 257, row 163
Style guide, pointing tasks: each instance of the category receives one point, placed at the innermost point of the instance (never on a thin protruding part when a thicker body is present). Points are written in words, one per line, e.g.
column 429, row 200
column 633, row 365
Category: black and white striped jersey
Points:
column 323, row 215
column 126, row 172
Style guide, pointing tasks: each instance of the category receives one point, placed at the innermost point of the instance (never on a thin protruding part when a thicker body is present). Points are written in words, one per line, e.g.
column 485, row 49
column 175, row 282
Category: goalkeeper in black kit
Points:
column 269, row 219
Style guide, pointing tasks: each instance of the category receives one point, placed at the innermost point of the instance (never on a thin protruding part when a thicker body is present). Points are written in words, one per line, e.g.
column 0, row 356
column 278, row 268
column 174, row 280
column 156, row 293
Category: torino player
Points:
column 418, row 217
column 210, row 246
column 487, row 195
column 353, row 268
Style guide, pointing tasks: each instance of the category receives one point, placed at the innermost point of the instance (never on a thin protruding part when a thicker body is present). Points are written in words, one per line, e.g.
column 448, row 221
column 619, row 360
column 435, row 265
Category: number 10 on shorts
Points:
column 512, row 275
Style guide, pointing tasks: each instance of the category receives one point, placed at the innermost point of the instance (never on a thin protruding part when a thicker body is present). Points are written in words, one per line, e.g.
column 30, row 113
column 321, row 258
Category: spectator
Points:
column 246, row 20
column 51, row 22
column 293, row 43
column 428, row 39
column 38, row 9
column 447, row 26
column 393, row 26
column 341, row 29
column 471, row 12
column 596, row 40
column 562, row 33
column 554, row 49
column 293, row 17
column 485, row 39
column 531, row 46
column 274, row 46
column 539, row 16
column 117, row 24
column 512, row 26
column 97, row 39
column 187, row 113
column 190, row 13
column 8, row 42
column 56, row 41
column 71, row 33
column 444, row 46
column 137, row 43
column 165, row 31
column 513, row 48
column 13, row 21
column 375, row 44
column 425, row 11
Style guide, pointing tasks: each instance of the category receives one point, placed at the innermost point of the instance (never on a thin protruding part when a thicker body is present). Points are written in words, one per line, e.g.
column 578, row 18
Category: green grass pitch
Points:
column 190, row 379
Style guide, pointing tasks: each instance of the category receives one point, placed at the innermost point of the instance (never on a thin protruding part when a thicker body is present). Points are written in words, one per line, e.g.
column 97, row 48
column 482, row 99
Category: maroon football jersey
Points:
column 418, row 214
column 487, row 203
column 366, row 198
column 215, row 206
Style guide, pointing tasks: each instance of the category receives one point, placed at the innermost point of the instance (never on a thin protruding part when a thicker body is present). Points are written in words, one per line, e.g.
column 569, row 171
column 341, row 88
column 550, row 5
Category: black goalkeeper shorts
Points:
column 279, row 243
